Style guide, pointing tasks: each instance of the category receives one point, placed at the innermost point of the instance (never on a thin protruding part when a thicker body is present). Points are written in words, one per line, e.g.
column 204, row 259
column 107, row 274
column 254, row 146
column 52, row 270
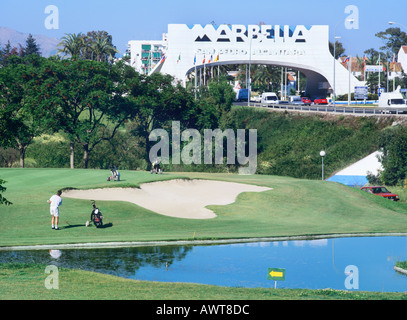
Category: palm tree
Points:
column 99, row 47
column 102, row 49
column 72, row 44
column 361, row 63
column 265, row 75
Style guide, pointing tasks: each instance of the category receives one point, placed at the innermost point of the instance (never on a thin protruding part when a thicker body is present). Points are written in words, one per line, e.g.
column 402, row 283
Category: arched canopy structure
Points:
column 301, row 48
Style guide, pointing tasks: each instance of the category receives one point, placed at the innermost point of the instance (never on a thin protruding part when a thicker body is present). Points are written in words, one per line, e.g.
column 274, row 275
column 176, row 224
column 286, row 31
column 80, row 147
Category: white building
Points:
column 190, row 48
column 402, row 58
column 145, row 55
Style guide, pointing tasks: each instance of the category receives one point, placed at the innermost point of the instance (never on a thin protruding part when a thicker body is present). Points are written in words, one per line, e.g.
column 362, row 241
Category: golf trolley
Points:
column 96, row 216
column 156, row 168
column 114, row 174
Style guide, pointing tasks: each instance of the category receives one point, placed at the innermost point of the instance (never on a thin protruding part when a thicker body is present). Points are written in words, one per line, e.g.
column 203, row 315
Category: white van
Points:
column 269, row 98
column 392, row 101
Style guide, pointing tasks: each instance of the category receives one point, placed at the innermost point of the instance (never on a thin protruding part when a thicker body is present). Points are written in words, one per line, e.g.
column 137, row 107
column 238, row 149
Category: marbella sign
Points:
column 259, row 33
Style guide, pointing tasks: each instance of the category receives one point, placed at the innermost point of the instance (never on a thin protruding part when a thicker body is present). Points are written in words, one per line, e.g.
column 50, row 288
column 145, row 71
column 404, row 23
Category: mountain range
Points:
column 48, row 46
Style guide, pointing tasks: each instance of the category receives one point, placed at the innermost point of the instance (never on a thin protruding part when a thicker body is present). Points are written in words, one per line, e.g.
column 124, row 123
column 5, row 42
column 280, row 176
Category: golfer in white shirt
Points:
column 55, row 201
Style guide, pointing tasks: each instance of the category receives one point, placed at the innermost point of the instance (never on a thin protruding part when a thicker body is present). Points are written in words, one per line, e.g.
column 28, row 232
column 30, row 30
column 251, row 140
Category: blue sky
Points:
column 146, row 20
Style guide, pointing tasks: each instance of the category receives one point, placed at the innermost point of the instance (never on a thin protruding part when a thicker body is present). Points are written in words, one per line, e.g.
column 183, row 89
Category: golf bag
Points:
column 96, row 216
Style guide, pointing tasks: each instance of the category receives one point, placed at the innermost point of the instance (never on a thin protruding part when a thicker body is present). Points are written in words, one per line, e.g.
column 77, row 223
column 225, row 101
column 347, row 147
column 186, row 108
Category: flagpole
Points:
column 196, row 76
column 394, row 71
column 364, row 68
column 379, row 75
column 350, row 70
column 250, row 62
column 204, row 71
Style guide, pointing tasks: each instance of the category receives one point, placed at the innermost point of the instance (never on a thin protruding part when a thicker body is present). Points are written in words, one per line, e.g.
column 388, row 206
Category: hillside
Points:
column 289, row 143
column 48, row 46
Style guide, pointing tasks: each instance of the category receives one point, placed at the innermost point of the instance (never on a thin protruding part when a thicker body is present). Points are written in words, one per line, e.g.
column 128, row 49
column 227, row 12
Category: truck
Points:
column 392, row 102
column 242, row 95
column 269, row 98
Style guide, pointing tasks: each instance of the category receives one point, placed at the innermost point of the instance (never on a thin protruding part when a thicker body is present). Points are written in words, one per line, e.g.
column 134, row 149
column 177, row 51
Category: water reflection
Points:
column 312, row 264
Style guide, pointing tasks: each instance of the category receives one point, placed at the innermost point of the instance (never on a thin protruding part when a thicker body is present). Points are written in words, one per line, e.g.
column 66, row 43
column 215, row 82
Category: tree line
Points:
column 87, row 98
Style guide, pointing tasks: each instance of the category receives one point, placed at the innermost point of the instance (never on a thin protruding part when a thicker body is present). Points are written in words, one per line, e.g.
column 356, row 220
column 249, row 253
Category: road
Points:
column 341, row 109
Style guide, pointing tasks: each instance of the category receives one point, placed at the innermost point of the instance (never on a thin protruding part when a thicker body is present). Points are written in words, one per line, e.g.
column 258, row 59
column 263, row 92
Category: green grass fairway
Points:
column 293, row 207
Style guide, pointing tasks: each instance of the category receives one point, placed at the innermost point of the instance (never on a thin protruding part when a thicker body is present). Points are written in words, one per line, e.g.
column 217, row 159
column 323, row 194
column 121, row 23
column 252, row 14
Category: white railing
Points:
column 336, row 109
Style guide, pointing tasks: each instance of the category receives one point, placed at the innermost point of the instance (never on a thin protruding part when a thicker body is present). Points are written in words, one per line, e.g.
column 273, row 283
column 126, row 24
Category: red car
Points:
column 381, row 191
column 306, row 101
column 321, row 101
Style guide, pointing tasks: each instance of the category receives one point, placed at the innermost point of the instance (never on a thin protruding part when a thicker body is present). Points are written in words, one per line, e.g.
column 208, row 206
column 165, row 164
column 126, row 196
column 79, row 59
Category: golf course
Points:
column 289, row 207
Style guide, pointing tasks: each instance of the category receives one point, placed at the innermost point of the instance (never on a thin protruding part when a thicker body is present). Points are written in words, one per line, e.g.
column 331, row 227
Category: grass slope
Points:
column 293, row 207
column 26, row 281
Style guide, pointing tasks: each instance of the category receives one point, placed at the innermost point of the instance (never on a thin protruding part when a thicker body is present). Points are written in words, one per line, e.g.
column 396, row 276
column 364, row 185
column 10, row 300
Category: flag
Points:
column 378, row 60
column 346, row 60
column 203, row 60
column 162, row 59
column 179, row 58
column 217, row 58
column 364, row 62
column 210, row 60
column 195, row 60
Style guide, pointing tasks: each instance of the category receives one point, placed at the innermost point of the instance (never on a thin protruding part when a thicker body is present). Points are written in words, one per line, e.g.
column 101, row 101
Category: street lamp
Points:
column 322, row 154
column 392, row 22
column 334, row 87
column 335, row 37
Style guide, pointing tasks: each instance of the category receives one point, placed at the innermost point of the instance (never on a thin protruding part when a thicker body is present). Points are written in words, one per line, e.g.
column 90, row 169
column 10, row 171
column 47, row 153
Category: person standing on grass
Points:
column 55, row 201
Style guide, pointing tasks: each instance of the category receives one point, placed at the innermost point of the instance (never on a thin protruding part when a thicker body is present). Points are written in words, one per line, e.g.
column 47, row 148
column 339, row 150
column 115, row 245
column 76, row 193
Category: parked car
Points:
column 381, row 191
column 306, row 101
column 295, row 100
column 320, row 101
column 255, row 98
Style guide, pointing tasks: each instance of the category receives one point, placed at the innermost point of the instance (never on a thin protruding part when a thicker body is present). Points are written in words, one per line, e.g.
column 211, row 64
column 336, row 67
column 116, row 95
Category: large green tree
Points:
column 393, row 39
column 159, row 102
column 393, row 143
column 20, row 117
column 86, row 99
column 338, row 49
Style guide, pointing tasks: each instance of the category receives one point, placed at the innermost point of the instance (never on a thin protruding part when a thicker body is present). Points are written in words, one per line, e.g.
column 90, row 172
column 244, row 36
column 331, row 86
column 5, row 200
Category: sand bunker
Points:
column 175, row 198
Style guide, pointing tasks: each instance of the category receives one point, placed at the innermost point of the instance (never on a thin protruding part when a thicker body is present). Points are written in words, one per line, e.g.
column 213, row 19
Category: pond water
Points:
column 310, row 264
